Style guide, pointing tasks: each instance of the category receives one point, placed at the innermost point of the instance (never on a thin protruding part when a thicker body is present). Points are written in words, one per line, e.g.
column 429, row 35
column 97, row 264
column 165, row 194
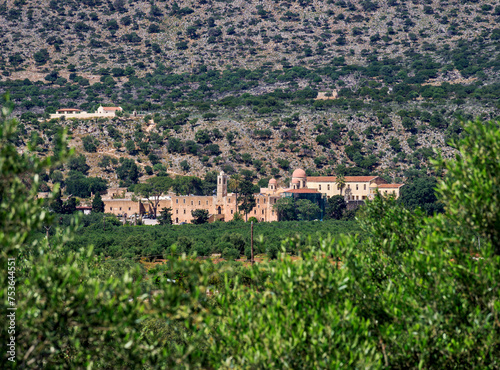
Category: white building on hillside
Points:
column 77, row 113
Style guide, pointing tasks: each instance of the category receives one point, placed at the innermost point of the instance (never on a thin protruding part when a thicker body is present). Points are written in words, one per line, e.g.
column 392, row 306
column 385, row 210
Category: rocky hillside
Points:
column 233, row 84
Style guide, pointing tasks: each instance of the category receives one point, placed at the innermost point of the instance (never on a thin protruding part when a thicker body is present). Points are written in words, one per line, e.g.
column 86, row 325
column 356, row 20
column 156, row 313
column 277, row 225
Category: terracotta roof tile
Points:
column 304, row 191
column 347, row 178
column 390, row 185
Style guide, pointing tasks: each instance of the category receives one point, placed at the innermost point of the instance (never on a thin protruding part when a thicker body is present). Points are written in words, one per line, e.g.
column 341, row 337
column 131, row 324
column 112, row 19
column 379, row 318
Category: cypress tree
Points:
column 97, row 203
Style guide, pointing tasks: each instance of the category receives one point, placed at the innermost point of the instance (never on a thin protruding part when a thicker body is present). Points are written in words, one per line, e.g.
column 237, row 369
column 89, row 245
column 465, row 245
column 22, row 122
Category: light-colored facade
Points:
column 386, row 189
column 77, row 113
column 224, row 205
column 108, row 111
column 355, row 187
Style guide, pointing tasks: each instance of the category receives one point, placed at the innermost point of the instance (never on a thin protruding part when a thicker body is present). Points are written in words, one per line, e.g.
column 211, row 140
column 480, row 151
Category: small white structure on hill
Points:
column 108, row 111
column 77, row 113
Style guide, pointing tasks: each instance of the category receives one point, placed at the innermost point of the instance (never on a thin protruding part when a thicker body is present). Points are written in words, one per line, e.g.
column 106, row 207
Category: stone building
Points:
column 224, row 205
column 354, row 187
column 221, row 206
column 108, row 111
column 77, row 113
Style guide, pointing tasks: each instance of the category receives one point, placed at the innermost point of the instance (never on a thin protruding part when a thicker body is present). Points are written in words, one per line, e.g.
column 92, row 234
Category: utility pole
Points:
column 251, row 242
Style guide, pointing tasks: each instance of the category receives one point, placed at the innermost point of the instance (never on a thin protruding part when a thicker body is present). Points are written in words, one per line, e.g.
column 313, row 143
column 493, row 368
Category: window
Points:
column 356, row 186
column 364, row 187
column 184, row 211
column 319, row 187
column 229, row 200
column 207, row 202
column 176, row 211
column 231, row 211
column 110, row 208
column 262, row 211
column 328, row 187
column 264, row 200
column 272, row 212
column 348, row 186
column 120, row 208
column 177, row 201
column 191, row 202
column 199, row 202
column 184, row 201
column 254, row 211
column 129, row 208
column 258, row 200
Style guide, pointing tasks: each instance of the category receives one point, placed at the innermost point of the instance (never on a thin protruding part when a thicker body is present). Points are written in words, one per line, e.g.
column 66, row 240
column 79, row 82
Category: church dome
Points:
column 299, row 173
column 273, row 181
column 295, row 181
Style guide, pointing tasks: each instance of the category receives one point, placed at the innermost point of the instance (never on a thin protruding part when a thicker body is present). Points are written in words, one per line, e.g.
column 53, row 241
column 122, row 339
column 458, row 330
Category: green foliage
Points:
column 90, row 144
column 41, row 57
column 230, row 254
column 97, row 204
column 246, row 199
column 200, row 216
column 79, row 164
column 413, row 275
column 290, row 209
column 165, row 216
column 80, row 186
column 185, row 166
column 306, row 210
column 335, row 207
column 420, row 192
column 130, row 146
column 471, row 190
column 285, row 208
column 128, row 172
column 236, row 240
column 153, row 189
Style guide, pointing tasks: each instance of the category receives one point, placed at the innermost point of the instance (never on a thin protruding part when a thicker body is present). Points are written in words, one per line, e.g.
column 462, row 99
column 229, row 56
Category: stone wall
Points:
column 82, row 115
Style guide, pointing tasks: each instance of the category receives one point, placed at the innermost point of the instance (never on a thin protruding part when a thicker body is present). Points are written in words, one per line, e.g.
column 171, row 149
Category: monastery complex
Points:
column 223, row 205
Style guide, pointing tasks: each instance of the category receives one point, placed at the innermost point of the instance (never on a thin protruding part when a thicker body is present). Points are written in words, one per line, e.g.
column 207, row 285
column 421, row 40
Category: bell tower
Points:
column 221, row 185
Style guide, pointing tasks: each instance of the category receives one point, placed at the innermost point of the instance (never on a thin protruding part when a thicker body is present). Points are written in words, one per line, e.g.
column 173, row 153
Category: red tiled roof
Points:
column 111, row 108
column 304, row 191
column 69, row 110
column 390, row 185
column 346, row 178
